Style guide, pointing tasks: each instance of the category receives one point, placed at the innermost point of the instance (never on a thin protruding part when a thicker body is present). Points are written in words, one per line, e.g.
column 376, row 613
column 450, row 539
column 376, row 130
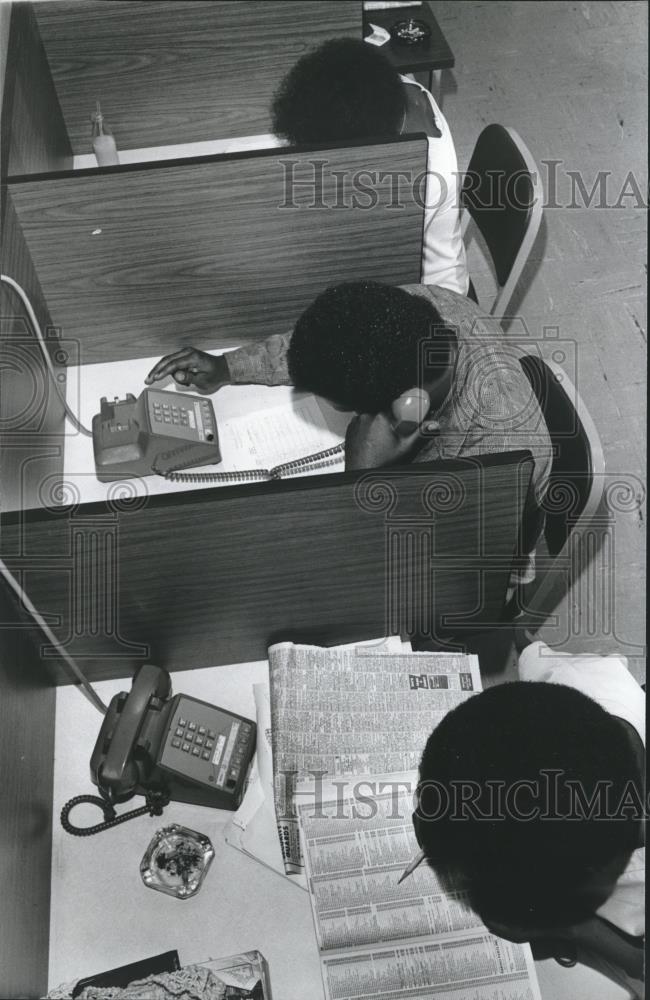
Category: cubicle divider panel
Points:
column 214, row 576
column 31, row 414
column 135, row 261
column 33, row 139
column 34, row 136
column 27, row 711
column 181, row 72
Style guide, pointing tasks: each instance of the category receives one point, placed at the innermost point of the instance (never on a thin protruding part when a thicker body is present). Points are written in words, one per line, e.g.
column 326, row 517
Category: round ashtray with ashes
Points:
column 410, row 32
column 177, row 861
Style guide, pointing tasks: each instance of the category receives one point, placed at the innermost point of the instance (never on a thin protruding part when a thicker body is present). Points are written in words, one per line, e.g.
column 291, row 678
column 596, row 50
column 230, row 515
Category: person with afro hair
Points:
column 530, row 802
column 347, row 90
column 363, row 344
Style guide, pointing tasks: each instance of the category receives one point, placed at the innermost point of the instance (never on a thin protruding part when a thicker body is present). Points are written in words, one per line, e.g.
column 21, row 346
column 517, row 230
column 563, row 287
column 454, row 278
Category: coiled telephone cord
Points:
column 329, row 456
column 155, row 803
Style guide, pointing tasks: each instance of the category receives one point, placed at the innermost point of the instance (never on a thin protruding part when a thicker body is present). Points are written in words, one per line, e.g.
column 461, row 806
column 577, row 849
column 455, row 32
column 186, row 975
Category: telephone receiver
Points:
column 114, row 767
column 409, row 410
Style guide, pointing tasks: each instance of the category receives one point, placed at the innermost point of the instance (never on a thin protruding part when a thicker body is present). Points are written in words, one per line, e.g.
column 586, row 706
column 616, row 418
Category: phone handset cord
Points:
column 171, row 465
column 155, row 803
column 329, row 456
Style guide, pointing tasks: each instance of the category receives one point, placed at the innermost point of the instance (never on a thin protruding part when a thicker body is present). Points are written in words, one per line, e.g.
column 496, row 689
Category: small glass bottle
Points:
column 103, row 141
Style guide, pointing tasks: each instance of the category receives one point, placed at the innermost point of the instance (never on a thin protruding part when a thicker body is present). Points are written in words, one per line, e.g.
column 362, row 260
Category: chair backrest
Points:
column 503, row 194
column 576, row 483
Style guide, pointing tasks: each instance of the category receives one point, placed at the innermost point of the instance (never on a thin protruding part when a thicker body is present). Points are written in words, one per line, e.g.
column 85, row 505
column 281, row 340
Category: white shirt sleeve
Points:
column 607, row 680
column 443, row 251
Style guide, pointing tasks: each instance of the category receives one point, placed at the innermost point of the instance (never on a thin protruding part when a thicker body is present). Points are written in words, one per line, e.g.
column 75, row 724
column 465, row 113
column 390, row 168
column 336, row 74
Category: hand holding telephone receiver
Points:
column 375, row 440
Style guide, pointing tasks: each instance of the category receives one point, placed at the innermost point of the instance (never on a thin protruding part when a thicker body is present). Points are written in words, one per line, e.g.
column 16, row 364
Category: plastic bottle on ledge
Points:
column 103, row 141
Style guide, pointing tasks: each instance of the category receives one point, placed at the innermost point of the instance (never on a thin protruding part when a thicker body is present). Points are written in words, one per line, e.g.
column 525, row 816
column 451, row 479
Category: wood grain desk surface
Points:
column 138, row 260
column 214, row 576
column 169, row 72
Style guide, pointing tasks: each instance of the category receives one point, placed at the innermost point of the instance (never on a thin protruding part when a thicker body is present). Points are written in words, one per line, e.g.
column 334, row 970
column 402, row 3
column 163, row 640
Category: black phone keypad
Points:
column 190, row 737
column 209, row 745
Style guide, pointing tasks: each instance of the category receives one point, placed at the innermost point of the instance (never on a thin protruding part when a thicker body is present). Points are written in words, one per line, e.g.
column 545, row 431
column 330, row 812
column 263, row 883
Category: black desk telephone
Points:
column 166, row 748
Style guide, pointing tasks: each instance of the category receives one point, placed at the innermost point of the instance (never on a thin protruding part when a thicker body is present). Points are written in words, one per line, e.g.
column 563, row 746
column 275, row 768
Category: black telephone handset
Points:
column 114, row 766
column 165, row 747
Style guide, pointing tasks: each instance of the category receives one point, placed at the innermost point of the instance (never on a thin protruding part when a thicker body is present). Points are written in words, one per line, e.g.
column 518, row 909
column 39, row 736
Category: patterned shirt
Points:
column 491, row 407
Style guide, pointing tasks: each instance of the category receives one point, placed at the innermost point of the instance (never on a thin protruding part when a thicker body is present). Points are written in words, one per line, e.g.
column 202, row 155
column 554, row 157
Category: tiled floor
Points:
column 571, row 78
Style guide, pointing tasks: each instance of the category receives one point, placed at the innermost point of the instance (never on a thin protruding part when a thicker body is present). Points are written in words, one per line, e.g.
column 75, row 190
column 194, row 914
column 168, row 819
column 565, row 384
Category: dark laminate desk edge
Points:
column 27, row 712
column 289, row 485
column 249, row 154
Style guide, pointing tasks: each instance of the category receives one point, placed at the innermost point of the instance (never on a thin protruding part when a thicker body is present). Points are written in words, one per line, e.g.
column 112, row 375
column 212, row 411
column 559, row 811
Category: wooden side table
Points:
column 431, row 56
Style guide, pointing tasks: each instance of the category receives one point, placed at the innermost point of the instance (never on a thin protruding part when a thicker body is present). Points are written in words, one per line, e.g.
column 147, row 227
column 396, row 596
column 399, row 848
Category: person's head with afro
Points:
column 345, row 89
column 525, row 800
column 362, row 344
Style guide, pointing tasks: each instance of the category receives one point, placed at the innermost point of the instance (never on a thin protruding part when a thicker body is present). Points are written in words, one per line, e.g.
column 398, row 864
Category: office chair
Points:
column 577, row 474
column 503, row 195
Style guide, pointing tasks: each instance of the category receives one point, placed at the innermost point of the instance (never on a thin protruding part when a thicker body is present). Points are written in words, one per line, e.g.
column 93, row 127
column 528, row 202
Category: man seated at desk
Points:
column 362, row 345
column 556, row 856
column 347, row 90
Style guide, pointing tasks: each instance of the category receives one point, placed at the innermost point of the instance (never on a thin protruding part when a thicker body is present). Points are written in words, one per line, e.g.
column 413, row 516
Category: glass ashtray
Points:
column 176, row 861
column 410, row 32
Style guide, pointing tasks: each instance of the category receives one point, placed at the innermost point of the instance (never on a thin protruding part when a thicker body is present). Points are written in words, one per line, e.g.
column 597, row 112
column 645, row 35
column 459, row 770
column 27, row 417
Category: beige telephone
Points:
column 409, row 411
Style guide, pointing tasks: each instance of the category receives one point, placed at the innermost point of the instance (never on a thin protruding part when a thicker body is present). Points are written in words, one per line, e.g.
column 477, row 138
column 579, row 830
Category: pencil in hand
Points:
column 417, row 860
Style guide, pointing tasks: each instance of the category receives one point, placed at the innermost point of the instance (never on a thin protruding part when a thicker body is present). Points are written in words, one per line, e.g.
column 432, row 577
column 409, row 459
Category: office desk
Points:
column 431, row 56
column 101, row 913
column 86, row 384
column 103, row 916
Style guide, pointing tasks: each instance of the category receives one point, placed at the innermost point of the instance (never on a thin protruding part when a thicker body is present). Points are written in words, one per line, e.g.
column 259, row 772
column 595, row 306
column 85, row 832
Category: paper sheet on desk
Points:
column 278, row 435
column 353, row 710
column 253, row 828
column 301, row 425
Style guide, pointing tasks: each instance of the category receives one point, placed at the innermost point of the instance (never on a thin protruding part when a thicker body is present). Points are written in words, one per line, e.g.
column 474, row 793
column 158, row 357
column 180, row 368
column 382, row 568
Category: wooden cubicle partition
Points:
column 31, row 414
column 137, row 260
column 209, row 577
column 181, row 72
column 33, row 139
column 34, row 135
column 27, row 711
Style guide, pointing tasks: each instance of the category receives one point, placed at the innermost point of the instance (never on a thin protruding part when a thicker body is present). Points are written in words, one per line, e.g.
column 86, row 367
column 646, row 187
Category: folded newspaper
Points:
column 360, row 709
column 253, row 829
